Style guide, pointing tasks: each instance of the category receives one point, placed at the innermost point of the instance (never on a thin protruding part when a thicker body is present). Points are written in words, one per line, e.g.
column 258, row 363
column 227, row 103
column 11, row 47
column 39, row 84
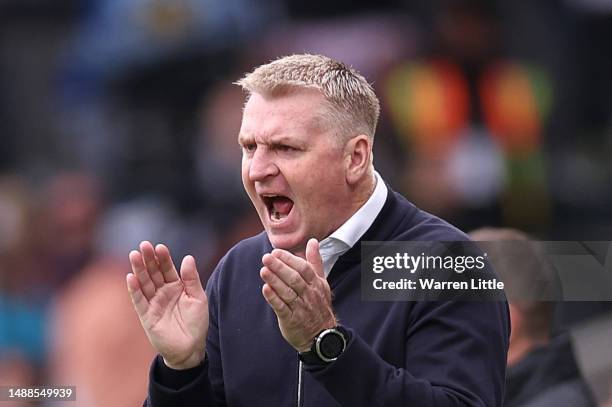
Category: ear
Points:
column 358, row 158
column 516, row 320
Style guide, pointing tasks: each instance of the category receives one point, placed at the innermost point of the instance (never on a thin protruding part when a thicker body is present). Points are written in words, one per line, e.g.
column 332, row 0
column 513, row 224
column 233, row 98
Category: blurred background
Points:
column 118, row 123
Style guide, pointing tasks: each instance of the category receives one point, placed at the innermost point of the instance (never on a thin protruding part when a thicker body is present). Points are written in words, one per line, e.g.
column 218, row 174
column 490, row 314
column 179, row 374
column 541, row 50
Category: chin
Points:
column 292, row 242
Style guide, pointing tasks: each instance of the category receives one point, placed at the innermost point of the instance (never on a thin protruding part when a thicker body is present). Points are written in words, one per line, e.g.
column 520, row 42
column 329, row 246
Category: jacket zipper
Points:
column 299, row 386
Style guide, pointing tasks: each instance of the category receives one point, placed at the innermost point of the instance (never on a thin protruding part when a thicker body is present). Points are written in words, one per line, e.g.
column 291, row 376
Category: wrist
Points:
column 191, row 362
column 327, row 346
column 305, row 348
column 308, row 345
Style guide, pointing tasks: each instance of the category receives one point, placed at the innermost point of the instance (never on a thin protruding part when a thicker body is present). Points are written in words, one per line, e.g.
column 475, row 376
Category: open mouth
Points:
column 279, row 207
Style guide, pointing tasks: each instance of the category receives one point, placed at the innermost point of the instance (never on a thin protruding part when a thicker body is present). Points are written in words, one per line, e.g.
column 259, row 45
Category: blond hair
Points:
column 352, row 105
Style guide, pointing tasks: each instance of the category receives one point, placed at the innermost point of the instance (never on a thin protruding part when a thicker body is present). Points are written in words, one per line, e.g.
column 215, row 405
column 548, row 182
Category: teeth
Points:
column 275, row 215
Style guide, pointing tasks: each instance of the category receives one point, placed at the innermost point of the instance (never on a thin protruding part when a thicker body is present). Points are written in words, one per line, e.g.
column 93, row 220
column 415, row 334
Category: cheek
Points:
column 321, row 187
column 328, row 166
column 317, row 182
column 249, row 187
column 244, row 171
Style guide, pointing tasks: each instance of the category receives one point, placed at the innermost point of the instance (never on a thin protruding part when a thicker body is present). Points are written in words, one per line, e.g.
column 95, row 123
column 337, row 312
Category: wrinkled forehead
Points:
column 297, row 112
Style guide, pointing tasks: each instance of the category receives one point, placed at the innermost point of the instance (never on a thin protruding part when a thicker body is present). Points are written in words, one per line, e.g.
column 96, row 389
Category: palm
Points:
column 175, row 322
column 173, row 311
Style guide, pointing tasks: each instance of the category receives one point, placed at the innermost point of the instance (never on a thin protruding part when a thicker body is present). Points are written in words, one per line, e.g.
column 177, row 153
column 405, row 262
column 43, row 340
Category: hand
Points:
column 173, row 311
column 299, row 294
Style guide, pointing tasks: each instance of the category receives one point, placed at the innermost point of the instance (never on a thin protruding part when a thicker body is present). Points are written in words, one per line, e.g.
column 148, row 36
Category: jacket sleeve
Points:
column 201, row 385
column 169, row 387
column 455, row 355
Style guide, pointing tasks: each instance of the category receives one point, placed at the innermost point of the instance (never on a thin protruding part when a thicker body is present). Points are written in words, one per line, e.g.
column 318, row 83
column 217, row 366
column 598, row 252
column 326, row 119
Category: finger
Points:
column 191, row 278
column 140, row 271
column 278, row 305
column 314, row 257
column 167, row 267
column 151, row 263
column 284, row 292
column 141, row 305
column 289, row 276
column 296, row 263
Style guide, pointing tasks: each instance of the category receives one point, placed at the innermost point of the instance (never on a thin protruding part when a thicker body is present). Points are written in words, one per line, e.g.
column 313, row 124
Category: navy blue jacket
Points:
column 400, row 353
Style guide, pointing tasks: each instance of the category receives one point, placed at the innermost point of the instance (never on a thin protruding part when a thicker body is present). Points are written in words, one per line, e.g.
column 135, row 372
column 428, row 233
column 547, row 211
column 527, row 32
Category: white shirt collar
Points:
column 345, row 237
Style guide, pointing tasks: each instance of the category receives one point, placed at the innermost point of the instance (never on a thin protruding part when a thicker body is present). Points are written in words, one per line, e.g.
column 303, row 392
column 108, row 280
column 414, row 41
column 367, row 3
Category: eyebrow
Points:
column 283, row 140
column 243, row 137
column 272, row 140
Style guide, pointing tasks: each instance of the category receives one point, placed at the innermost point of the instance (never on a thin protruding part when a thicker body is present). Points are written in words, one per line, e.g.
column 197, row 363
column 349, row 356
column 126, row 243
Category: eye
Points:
column 284, row 147
column 249, row 147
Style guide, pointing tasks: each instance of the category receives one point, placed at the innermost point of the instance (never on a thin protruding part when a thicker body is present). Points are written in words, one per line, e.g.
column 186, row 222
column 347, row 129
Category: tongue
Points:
column 282, row 206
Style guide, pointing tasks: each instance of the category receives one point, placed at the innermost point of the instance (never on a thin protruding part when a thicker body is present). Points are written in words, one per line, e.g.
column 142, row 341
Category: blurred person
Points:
column 591, row 344
column 43, row 242
column 16, row 226
column 23, row 316
column 472, row 118
column 306, row 136
column 67, row 217
column 86, row 339
column 17, row 370
column 93, row 334
column 14, row 212
column 542, row 369
column 23, row 326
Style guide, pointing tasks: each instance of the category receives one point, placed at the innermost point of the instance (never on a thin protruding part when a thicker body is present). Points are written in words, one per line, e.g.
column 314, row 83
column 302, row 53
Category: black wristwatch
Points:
column 327, row 346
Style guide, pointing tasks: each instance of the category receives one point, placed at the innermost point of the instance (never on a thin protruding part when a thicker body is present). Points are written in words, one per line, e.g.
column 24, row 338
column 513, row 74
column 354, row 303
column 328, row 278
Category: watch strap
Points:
column 312, row 357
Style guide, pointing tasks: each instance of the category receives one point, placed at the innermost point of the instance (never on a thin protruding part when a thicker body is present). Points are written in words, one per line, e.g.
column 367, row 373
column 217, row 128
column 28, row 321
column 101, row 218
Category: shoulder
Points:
column 417, row 224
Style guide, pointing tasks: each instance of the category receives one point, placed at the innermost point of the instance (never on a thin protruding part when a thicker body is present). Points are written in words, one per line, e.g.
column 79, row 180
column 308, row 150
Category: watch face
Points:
column 330, row 345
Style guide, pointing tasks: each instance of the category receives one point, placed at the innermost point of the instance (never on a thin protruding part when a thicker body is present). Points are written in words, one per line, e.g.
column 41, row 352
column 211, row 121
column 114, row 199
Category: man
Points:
column 542, row 369
column 282, row 314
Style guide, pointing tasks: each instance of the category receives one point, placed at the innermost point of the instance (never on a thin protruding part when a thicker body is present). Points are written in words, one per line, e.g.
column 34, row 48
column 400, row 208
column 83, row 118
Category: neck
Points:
column 362, row 192
column 359, row 195
column 521, row 346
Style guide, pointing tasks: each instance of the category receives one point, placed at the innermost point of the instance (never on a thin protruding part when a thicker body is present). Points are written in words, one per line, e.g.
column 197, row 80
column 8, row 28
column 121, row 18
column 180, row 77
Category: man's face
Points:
column 292, row 168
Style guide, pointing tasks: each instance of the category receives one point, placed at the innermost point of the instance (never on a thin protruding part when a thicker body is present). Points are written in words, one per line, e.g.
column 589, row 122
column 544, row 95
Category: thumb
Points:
column 191, row 278
column 314, row 257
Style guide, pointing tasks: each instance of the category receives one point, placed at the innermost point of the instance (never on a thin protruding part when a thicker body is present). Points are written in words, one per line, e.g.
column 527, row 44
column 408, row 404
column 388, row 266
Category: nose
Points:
column 261, row 166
